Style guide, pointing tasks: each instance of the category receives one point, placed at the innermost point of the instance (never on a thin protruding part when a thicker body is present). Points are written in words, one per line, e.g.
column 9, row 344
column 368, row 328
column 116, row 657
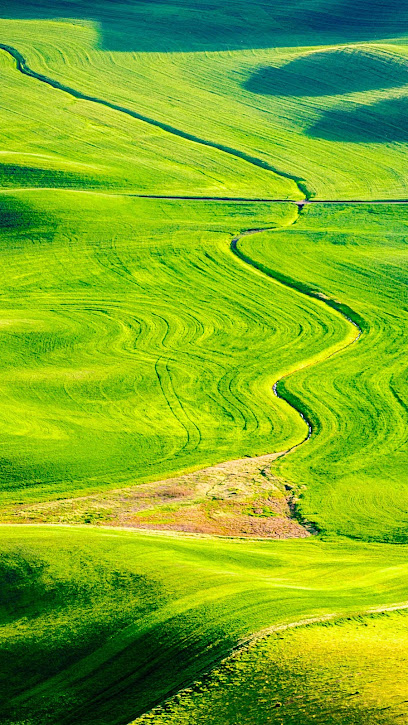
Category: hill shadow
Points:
column 197, row 25
column 382, row 122
column 332, row 72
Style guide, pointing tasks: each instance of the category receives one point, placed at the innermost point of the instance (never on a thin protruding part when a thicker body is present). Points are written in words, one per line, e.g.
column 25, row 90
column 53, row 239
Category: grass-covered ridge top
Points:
column 182, row 25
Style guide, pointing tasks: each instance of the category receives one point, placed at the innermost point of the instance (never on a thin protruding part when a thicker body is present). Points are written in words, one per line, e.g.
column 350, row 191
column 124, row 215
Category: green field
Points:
column 119, row 620
column 337, row 672
column 189, row 348
column 358, row 453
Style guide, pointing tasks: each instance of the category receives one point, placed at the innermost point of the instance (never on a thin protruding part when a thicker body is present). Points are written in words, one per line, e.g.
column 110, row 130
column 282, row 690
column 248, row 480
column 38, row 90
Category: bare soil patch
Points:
column 236, row 498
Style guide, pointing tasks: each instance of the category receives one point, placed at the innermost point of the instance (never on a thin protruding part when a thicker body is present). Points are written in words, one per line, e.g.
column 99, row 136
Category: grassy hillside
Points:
column 338, row 673
column 145, row 338
column 117, row 621
column 60, row 141
column 180, row 25
column 355, row 463
column 343, row 139
column 135, row 344
column 142, row 371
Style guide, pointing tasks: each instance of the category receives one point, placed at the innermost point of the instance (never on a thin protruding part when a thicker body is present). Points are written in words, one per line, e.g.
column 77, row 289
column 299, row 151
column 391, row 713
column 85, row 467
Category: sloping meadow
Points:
column 144, row 338
column 100, row 625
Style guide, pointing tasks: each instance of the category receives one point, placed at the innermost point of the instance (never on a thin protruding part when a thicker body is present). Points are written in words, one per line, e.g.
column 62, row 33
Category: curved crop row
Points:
column 353, row 468
column 137, row 343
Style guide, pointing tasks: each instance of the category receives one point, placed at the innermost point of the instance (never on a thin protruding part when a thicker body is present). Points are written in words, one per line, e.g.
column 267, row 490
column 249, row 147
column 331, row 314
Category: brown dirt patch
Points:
column 236, row 498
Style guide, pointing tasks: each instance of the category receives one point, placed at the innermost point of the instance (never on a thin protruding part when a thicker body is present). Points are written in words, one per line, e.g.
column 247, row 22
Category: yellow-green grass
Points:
column 345, row 138
column 353, row 671
column 354, row 466
column 135, row 345
column 101, row 625
column 116, row 371
column 50, row 139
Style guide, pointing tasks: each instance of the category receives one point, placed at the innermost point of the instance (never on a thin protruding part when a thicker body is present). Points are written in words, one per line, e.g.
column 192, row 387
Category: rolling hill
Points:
column 203, row 230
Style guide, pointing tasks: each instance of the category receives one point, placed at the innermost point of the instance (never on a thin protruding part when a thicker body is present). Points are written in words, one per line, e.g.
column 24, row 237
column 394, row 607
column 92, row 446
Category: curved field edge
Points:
column 359, row 452
column 338, row 668
column 105, row 618
column 101, row 148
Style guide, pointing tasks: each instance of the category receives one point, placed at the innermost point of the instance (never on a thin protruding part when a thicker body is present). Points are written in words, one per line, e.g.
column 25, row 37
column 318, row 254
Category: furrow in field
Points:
column 23, row 67
column 343, row 310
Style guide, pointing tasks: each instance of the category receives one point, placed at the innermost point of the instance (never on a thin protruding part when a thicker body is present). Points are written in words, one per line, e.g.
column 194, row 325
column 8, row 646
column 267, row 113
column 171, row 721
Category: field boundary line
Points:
column 347, row 313
column 23, row 67
column 300, row 203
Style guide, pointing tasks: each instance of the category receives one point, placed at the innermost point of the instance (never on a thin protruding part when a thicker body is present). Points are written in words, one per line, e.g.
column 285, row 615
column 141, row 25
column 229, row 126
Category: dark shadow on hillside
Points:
column 13, row 176
column 382, row 122
column 15, row 215
column 330, row 73
column 188, row 25
column 382, row 18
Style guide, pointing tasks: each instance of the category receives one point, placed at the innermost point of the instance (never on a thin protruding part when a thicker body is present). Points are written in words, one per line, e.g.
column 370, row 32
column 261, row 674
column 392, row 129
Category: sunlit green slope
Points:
column 326, row 107
column 134, row 343
column 353, row 671
column 49, row 139
column 117, row 621
column 354, row 466
column 137, row 342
